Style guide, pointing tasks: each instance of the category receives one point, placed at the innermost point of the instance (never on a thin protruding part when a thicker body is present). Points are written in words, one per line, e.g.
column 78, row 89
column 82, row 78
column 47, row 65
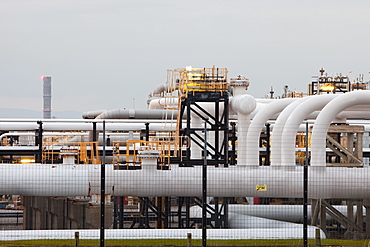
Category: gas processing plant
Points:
column 199, row 126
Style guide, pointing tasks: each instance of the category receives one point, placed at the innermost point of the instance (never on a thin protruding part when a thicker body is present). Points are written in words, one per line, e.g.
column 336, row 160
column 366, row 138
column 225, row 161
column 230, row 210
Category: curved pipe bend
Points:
column 326, row 116
column 256, row 126
column 244, row 105
column 278, row 129
column 291, row 126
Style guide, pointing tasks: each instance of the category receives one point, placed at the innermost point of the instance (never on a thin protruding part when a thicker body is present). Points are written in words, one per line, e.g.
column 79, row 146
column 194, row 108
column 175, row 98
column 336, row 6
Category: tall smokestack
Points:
column 47, row 97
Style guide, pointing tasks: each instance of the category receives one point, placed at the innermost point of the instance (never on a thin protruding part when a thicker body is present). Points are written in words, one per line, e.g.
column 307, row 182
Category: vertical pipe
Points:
column 204, row 194
column 102, row 191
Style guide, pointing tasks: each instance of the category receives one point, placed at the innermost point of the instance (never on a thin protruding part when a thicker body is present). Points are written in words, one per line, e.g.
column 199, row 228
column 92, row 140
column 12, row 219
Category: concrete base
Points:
column 41, row 213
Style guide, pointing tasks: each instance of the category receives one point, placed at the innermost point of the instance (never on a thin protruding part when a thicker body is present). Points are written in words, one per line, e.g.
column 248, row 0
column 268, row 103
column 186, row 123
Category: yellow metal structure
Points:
column 128, row 151
column 202, row 80
column 88, row 152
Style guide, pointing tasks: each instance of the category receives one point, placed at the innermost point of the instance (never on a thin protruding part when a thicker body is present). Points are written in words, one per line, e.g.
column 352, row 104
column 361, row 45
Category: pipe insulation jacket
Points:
column 163, row 103
column 135, row 114
column 291, row 126
column 277, row 132
column 59, row 126
column 278, row 182
column 256, row 126
column 326, row 116
column 243, row 105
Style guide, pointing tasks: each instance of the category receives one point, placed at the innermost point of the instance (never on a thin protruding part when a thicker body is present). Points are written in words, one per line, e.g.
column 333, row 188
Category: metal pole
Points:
column 267, row 163
column 102, row 192
column 233, row 148
column 305, row 188
column 204, row 185
column 39, row 142
column 115, row 212
column 147, row 132
column 121, row 211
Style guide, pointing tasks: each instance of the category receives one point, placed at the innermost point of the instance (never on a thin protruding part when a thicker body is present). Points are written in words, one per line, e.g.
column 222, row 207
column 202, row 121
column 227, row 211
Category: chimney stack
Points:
column 47, row 97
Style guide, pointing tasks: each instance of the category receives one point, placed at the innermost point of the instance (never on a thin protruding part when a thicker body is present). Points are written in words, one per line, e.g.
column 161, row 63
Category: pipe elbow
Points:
column 243, row 104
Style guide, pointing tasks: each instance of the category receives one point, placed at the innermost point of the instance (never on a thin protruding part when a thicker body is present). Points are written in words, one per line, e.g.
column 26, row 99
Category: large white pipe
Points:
column 291, row 126
column 164, row 103
column 75, row 126
column 277, row 132
column 84, row 180
column 92, row 114
column 256, row 126
column 37, row 179
column 135, row 114
column 196, row 151
column 222, row 234
column 327, row 115
column 282, row 213
column 244, row 105
column 237, row 221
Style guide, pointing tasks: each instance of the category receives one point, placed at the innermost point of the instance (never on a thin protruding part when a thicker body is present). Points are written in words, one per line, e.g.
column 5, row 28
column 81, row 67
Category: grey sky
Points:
column 102, row 54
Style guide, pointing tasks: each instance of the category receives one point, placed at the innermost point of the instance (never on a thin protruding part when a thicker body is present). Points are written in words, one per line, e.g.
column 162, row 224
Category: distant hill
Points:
column 23, row 113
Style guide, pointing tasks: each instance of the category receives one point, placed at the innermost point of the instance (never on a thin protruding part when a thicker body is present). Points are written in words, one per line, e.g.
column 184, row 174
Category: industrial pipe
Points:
column 277, row 182
column 297, row 116
column 327, row 115
column 277, row 130
column 256, row 126
column 244, row 105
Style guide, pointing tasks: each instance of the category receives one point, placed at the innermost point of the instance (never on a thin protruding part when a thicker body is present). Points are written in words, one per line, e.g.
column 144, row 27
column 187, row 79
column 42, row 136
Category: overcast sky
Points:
column 102, row 54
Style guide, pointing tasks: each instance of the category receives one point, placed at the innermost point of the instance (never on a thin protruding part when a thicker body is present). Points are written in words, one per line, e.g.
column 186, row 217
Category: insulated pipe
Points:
column 44, row 134
column 256, row 126
column 165, row 87
column 278, row 182
column 92, row 114
column 277, row 132
column 60, row 126
column 244, row 105
column 288, row 137
column 164, row 102
column 135, row 114
column 222, row 234
column 160, row 89
column 195, row 149
column 287, row 213
column 327, row 115
column 243, row 125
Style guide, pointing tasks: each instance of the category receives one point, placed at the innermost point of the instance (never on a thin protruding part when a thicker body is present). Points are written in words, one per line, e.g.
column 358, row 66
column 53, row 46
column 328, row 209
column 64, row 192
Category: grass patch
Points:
column 182, row 242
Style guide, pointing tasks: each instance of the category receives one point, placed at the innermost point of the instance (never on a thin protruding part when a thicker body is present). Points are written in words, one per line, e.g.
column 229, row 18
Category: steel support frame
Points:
column 218, row 124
